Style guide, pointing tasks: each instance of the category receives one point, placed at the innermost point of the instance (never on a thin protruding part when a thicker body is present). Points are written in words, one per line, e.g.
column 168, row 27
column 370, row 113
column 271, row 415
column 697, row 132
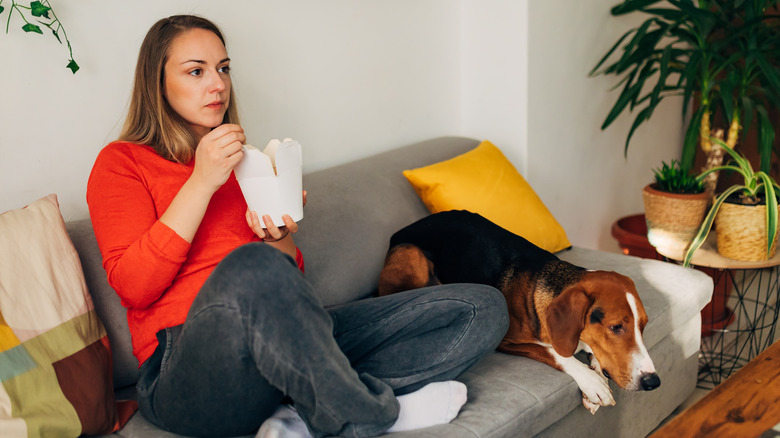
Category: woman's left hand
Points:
column 270, row 231
column 280, row 236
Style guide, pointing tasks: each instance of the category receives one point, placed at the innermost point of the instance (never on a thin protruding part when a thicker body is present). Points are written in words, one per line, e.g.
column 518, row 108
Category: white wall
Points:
column 346, row 78
column 349, row 78
column 494, row 75
column 580, row 171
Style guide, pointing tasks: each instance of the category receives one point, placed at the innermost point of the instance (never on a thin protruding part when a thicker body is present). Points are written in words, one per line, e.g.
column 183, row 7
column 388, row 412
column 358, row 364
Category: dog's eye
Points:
column 617, row 329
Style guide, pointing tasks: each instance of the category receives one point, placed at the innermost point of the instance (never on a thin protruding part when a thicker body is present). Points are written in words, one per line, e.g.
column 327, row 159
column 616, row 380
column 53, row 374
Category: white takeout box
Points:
column 272, row 181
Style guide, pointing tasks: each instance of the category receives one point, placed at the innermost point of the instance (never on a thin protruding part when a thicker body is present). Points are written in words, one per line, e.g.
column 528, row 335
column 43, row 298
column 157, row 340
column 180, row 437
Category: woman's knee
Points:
column 256, row 258
column 490, row 310
column 253, row 273
column 484, row 306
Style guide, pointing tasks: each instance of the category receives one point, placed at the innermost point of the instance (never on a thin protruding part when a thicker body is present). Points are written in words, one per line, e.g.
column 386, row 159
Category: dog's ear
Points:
column 566, row 319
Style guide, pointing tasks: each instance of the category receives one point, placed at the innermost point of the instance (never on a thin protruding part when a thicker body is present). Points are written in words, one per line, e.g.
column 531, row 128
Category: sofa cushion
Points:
column 483, row 181
column 107, row 303
column 55, row 361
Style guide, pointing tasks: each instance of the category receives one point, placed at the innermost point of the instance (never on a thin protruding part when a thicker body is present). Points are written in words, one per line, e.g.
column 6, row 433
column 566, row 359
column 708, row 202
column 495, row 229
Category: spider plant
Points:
column 720, row 56
column 750, row 194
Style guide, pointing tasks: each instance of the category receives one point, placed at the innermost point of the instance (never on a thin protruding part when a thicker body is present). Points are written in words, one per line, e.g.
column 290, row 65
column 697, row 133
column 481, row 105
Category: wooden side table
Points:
column 746, row 405
column 744, row 311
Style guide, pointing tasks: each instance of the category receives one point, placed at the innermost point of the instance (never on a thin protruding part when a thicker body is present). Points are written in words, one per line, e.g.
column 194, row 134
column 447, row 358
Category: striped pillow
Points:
column 55, row 361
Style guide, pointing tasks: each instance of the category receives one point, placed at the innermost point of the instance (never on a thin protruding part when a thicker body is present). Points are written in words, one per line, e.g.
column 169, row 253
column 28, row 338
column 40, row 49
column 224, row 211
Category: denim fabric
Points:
column 257, row 332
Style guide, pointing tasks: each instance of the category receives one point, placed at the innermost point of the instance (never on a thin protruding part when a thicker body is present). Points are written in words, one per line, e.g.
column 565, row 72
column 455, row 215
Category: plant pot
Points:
column 672, row 218
column 631, row 234
column 741, row 232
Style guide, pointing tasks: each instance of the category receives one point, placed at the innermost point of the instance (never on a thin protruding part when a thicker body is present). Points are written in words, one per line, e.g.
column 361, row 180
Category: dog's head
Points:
column 604, row 311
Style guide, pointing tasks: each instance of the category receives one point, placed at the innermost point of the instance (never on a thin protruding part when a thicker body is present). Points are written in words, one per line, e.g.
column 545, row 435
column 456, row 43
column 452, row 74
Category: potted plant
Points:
column 719, row 55
column 745, row 214
column 675, row 205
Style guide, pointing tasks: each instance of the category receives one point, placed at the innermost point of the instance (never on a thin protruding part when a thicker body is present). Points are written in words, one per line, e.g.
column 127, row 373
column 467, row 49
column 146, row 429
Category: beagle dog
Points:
column 555, row 308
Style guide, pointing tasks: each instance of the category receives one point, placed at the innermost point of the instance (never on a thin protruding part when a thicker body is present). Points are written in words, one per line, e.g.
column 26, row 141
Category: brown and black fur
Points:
column 552, row 304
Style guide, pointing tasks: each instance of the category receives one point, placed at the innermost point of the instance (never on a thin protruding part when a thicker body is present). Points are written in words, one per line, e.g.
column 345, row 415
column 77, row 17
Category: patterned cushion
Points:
column 55, row 361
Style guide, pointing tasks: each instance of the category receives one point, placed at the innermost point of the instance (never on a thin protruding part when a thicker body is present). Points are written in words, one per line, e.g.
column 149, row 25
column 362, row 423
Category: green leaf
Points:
column 39, row 10
column 29, row 27
column 747, row 111
column 609, row 53
column 706, row 225
column 769, row 73
column 743, row 164
column 727, row 96
column 691, row 140
column 56, row 35
column 771, row 209
column 662, row 75
column 635, row 51
column 766, row 137
column 642, row 117
column 626, row 97
column 631, row 6
column 1, row 9
column 73, row 66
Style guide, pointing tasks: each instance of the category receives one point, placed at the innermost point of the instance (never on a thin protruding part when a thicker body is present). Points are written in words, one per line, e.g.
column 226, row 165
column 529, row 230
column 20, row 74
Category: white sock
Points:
column 284, row 423
column 434, row 403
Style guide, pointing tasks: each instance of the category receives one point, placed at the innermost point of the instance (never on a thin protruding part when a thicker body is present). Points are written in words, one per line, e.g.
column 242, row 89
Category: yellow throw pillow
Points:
column 483, row 181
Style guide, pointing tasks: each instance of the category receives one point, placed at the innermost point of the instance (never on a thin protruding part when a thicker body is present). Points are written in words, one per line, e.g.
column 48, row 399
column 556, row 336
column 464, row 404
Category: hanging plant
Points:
column 39, row 12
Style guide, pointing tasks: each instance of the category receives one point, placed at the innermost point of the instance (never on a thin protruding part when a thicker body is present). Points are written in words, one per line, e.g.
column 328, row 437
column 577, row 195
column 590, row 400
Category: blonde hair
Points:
column 150, row 119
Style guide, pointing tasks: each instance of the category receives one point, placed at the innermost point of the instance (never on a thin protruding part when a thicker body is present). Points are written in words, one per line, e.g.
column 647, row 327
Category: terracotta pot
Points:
column 741, row 232
column 631, row 234
column 673, row 219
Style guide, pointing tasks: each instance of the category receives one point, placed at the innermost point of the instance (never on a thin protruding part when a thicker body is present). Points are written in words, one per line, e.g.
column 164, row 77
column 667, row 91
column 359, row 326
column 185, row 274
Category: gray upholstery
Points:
column 354, row 208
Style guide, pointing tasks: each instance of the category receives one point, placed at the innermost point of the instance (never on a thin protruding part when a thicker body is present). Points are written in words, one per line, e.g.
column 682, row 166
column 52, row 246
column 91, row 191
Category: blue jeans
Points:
column 257, row 332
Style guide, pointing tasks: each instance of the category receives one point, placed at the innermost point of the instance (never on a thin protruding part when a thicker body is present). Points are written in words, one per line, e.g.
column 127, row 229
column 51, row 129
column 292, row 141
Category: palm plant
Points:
column 721, row 54
column 749, row 192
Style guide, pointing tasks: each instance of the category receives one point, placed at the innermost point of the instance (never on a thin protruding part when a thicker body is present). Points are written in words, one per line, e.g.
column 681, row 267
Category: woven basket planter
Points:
column 672, row 218
column 741, row 232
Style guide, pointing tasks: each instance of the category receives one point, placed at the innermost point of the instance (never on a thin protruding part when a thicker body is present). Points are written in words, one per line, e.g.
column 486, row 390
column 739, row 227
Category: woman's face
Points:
column 197, row 79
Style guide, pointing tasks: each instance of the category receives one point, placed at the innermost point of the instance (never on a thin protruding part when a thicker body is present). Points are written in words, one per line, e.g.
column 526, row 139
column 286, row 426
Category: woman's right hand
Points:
column 217, row 154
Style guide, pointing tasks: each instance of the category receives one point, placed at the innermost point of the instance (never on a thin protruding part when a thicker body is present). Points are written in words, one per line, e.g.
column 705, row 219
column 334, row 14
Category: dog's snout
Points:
column 649, row 381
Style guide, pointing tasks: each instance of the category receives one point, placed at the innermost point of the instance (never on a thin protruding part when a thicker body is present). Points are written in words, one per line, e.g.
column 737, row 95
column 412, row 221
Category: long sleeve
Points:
column 141, row 255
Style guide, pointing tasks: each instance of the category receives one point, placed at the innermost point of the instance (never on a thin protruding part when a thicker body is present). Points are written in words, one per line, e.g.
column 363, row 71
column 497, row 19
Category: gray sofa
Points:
column 351, row 213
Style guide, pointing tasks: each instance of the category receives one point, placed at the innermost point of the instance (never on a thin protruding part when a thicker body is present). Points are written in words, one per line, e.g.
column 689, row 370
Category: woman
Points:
column 222, row 321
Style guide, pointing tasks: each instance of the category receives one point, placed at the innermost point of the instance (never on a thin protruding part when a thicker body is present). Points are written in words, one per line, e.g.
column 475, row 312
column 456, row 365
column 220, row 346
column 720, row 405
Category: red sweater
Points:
column 155, row 272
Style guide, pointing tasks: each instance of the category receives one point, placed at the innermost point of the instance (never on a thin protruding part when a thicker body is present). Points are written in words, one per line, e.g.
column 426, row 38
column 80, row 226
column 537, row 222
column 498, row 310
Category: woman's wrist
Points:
column 284, row 234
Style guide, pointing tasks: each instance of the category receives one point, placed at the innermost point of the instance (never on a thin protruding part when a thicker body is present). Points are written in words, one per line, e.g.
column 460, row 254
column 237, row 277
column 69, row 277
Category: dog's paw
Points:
column 595, row 391
column 594, row 363
column 589, row 405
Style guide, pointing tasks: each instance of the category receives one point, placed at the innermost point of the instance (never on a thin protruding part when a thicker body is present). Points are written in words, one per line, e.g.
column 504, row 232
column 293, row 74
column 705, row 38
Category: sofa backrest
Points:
column 353, row 209
column 351, row 212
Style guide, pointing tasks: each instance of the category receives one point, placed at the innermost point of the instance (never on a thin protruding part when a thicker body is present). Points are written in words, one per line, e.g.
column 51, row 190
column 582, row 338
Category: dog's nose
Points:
column 650, row 381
